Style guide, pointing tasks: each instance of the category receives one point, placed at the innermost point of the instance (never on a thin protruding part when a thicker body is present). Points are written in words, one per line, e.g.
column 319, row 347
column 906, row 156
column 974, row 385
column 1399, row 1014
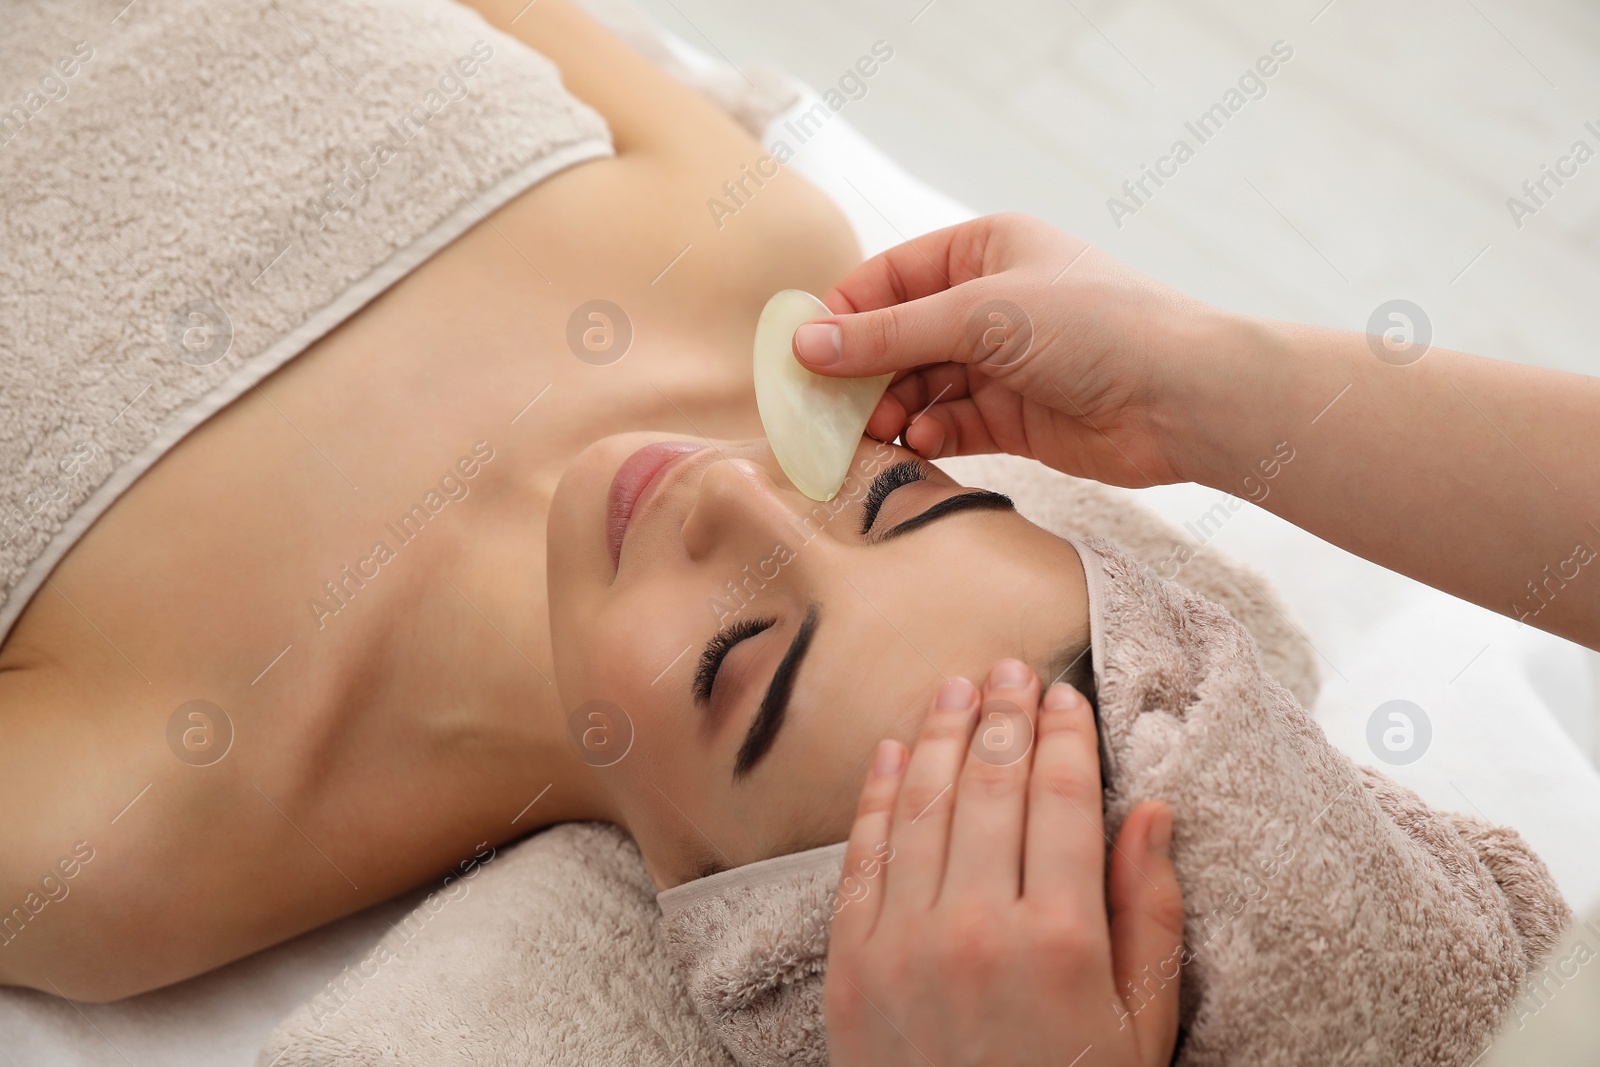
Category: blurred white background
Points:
column 1378, row 164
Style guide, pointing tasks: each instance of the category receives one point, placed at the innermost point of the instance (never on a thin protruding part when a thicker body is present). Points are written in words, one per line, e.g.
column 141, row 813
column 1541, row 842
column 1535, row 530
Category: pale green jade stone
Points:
column 812, row 422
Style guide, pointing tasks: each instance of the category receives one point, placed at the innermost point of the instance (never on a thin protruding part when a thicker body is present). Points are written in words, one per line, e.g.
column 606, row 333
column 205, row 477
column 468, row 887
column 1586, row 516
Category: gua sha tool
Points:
column 813, row 422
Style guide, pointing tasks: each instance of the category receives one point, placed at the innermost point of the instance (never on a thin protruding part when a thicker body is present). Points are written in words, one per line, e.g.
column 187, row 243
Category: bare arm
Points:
column 1476, row 476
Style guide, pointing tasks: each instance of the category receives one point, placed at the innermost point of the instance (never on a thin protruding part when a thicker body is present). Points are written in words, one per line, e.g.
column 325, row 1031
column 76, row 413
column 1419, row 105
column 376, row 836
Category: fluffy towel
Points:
column 552, row 954
column 751, row 945
column 1078, row 510
column 544, row 954
column 1331, row 917
column 1556, row 1020
column 196, row 190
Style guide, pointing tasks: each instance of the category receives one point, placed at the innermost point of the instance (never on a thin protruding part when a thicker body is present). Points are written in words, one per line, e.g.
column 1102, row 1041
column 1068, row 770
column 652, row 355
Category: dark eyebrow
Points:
column 968, row 501
column 768, row 719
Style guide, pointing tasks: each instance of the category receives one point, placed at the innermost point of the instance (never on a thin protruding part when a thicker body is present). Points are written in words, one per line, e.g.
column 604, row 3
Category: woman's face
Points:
column 730, row 652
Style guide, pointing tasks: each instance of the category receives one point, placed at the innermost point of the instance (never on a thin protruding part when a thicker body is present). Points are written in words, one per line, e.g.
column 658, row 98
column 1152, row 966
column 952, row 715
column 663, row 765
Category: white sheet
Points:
column 1498, row 748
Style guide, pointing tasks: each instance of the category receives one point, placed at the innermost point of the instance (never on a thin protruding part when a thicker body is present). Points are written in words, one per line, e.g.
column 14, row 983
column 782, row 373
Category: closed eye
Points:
column 770, row 715
column 910, row 472
column 888, row 480
column 717, row 649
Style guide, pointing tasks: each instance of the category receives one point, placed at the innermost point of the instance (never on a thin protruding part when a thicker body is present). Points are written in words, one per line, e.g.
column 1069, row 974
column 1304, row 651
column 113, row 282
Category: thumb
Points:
column 932, row 329
column 1147, row 923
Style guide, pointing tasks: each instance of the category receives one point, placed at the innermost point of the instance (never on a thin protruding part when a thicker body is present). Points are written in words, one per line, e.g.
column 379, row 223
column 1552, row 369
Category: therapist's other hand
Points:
column 971, row 924
column 1008, row 335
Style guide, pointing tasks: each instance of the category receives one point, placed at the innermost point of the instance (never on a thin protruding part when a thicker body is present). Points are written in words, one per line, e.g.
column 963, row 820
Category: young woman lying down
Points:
column 563, row 590
column 422, row 708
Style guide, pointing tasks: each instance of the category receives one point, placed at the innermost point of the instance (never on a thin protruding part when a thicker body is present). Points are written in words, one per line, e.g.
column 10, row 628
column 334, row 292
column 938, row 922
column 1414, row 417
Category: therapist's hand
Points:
column 971, row 923
column 1008, row 335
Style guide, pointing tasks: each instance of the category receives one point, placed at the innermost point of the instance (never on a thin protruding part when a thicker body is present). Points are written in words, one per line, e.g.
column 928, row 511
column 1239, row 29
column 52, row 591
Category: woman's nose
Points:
column 739, row 508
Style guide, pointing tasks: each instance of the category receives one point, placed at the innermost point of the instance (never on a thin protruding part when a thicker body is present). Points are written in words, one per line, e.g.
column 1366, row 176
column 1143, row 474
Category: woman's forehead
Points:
column 878, row 658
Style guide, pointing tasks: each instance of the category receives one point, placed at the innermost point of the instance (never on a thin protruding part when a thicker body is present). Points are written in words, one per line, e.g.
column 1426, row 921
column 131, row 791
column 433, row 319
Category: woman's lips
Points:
column 637, row 473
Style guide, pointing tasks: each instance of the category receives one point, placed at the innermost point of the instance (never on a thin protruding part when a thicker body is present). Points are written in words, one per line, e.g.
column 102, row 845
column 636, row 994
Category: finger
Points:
column 921, row 832
column 914, row 304
column 914, row 334
column 856, row 905
column 988, row 417
column 1065, row 842
column 991, row 796
column 914, row 392
column 1146, row 906
column 926, row 437
column 944, row 259
column 888, row 418
column 965, row 429
column 926, row 264
column 934, row 387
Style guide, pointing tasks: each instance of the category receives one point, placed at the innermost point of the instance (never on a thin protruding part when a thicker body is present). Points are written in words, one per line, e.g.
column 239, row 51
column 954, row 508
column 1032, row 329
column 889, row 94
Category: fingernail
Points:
column 1009, row 674
column 1160, row 831
column 956, row 693
column 887, row 759
column 1061, row 697
column 818, row 343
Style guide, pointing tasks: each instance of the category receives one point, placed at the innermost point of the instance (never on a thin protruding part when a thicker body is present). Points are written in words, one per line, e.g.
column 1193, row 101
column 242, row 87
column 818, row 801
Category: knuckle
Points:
column 1061, row 784
column 968, row 947
column 1166, row 910
column 841, row 1003
column 947, row 724
column 877, row 796
column 899, row 971
column 880, row 331
column 1064, row 936
column 918, row 797
column 992, row 781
